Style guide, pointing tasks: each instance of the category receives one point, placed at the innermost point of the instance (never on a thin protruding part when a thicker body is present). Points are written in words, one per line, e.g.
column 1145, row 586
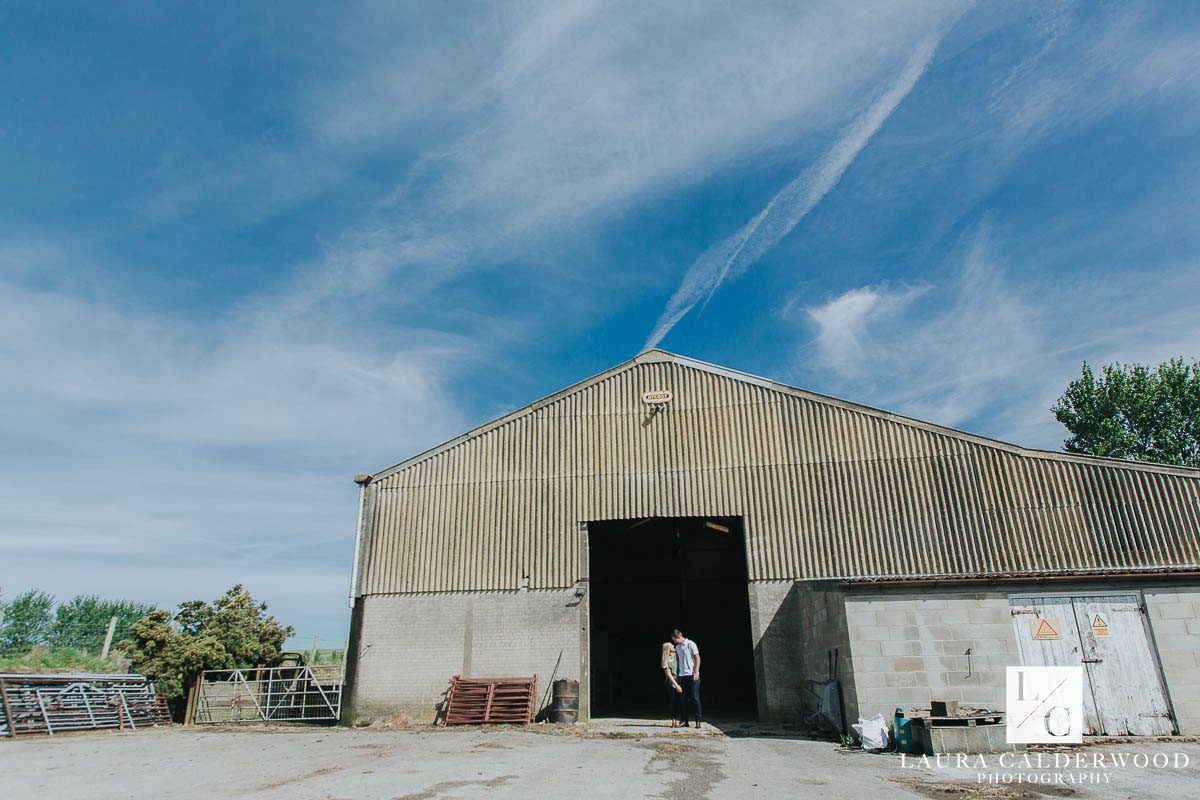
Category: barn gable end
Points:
column 827, row 489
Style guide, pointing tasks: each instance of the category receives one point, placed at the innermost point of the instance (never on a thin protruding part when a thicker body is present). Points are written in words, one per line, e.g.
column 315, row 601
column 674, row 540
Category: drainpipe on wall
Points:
column 353, row 642
column 362, row 481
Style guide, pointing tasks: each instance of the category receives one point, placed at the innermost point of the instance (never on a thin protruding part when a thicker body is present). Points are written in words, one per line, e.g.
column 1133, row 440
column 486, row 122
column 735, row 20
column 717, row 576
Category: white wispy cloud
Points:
column 845, row 321
column 528, row 127
column 161, row 457
column 1067, row 72
column 988, row 351
column 943, row 359
column 791, row 205
column 574, row 108
column 994, row 341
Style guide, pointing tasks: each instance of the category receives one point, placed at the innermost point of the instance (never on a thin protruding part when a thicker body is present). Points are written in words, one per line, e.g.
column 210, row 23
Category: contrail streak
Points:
column 736, row 253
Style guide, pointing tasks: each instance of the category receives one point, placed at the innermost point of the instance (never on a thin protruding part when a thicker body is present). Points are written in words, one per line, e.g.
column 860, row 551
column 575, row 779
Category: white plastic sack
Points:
column 873, row 732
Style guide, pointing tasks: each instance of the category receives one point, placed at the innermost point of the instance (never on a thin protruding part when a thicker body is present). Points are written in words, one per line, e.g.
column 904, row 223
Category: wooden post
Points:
column 193, row 696
column 112, row 626
column 8, row 717
column 312, row 658
column 487, row 710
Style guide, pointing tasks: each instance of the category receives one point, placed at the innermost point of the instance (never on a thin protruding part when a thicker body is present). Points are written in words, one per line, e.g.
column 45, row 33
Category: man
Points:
column 688, row 656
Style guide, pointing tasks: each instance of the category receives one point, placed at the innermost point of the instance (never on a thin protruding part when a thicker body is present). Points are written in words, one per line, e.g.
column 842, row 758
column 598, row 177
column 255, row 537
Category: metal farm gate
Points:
column 1108, row 635
column 268, row 694
column 52, row 704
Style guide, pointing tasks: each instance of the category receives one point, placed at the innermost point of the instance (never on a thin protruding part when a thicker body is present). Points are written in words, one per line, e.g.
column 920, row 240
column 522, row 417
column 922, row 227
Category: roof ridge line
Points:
column 658, row 356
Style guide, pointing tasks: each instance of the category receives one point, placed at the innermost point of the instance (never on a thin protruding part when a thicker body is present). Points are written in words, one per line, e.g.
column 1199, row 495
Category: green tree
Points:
column 28, row 620
column 82, row 623
column 1136, row 412
column 229, row 633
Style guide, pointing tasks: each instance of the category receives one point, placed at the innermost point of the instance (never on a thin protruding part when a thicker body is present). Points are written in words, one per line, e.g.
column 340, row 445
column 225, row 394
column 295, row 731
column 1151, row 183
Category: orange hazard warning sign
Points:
column 1045, row 629
column 1099, row 626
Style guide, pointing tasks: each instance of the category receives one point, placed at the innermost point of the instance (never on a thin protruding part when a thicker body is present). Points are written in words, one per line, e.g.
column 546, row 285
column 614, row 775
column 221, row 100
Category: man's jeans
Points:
column 690, row 697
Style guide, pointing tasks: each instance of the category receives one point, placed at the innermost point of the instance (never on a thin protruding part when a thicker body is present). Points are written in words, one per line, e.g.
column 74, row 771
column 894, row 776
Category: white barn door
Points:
column 1105, row 634
column 1048, row 636
column 1121, row 666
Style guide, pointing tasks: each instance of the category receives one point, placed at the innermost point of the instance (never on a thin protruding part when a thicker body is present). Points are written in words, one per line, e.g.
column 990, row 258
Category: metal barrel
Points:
column 565, row 705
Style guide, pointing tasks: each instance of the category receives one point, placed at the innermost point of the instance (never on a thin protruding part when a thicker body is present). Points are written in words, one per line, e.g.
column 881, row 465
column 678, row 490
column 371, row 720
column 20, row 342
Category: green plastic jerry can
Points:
column 905, row 742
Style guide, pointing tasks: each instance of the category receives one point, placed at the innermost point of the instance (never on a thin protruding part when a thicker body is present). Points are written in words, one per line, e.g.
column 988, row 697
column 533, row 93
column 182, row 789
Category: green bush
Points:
column 31, row 621
column 231, row 632
column 82, row 623
column 28, row 620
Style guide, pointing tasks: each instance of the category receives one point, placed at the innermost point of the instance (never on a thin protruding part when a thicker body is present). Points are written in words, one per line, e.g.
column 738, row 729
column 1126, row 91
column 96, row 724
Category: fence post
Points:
column 112, row 626
column 8, row 717
column 189, row 708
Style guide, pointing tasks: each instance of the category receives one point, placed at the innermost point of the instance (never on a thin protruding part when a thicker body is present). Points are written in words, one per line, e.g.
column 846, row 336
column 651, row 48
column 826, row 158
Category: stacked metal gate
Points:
column 50, row 704
column 268, row 694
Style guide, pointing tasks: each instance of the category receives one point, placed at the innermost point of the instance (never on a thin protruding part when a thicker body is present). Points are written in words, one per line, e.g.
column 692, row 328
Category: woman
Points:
column 670, row 668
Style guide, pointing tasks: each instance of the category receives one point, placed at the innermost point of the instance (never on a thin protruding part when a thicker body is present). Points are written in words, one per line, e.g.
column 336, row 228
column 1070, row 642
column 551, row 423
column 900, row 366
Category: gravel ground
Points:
column 598, row 762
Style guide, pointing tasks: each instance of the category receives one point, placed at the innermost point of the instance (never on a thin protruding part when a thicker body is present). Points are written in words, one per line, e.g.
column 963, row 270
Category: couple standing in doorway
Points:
column 681, row 668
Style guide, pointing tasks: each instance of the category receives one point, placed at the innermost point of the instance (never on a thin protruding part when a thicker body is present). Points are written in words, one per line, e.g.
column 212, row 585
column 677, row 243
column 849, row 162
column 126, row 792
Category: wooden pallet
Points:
column 970, row 721
column 478, row 701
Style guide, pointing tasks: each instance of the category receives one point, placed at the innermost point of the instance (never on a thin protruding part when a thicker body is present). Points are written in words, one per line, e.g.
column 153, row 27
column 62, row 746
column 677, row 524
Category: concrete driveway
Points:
column 601, row 762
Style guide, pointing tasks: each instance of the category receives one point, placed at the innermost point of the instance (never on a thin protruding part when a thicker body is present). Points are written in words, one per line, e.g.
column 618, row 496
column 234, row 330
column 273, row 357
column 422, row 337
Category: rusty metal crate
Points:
column 479, row 701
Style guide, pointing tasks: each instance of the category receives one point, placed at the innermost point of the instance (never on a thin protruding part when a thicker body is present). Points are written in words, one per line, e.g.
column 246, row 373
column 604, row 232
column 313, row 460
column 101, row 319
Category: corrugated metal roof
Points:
column 827, row 489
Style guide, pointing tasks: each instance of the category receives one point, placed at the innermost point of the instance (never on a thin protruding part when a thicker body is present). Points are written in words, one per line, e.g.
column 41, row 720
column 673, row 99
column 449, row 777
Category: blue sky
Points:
column 247, row 252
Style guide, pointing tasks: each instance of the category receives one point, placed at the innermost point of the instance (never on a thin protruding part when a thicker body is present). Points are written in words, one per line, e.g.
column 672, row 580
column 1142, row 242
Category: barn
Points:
column 797, row 538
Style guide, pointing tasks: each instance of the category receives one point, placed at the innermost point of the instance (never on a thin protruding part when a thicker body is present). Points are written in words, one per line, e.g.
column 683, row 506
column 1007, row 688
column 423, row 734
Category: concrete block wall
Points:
column 909, row 648
column 1174, row 613
column 895, row 647
column 775, row 626
column 411, row 645
column 825, row 652
column 800, row 635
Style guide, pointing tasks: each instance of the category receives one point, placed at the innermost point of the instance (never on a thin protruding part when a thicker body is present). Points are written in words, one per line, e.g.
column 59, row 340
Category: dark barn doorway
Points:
column 648, row 576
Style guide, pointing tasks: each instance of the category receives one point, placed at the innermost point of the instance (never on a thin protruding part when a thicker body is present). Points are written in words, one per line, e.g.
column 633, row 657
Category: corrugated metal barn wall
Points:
column 827, row 489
